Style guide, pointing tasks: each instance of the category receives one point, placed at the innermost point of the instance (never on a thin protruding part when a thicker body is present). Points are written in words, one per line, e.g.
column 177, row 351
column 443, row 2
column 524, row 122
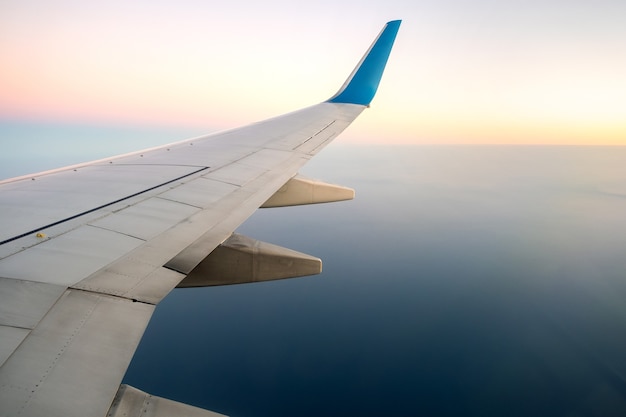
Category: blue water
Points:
column 461, row 281
column 480, row 281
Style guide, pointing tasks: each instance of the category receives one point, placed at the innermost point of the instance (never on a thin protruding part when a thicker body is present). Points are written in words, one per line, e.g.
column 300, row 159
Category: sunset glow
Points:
column 524, row 73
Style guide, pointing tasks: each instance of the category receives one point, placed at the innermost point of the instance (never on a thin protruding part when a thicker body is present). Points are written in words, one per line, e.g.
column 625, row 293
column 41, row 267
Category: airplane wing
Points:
column 88, row 251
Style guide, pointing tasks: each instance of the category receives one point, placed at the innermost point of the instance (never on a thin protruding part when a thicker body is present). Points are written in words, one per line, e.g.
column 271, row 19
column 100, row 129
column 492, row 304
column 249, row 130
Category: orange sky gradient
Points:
column 520, row 73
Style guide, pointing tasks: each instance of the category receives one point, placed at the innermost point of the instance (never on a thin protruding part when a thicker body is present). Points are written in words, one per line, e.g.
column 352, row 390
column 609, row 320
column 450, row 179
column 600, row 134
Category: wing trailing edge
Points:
column 131, row 402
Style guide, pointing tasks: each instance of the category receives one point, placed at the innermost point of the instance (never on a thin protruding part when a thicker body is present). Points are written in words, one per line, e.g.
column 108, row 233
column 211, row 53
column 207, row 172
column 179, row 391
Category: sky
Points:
column 461, row 72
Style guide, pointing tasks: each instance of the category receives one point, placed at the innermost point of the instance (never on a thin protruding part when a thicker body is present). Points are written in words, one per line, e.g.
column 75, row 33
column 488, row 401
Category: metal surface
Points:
column 219, row 222
column 147, row 219
column 24, row 303
column 241, row 259
column 41, row 200
column 201, row 192
column 10, row 339
column 131, row 402
column 300, row 190
column 72, row 362
column 69, row 258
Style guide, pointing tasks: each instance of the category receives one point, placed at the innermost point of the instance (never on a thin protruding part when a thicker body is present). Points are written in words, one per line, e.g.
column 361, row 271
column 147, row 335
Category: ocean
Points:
column 462, row 280
column 475, row 281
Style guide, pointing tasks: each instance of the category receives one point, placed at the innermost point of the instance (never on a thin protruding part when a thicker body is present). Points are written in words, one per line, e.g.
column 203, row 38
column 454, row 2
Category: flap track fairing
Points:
column 300, row 190
column 240, row 259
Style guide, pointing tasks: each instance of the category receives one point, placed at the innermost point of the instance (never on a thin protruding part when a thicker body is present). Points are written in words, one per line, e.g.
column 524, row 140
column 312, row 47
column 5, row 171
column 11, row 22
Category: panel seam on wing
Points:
column 108, row 294
column 100, row 207
column 314, row 135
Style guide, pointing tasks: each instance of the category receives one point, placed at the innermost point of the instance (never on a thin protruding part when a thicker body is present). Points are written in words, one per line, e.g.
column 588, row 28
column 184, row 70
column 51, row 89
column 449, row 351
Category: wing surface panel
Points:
column 24, row 303
column 131, row 402
column 147, row 219
column 29, row 205
column 10, row 339
column 201, row 192
column 72, row 362
column 68, row 258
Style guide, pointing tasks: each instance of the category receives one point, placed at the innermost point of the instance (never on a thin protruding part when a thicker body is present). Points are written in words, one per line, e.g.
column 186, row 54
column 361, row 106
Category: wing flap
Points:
column 148, row 218
column 10, row 339
column 76, row 355
column 24, row 303
column 133, row 279
column 131, row 402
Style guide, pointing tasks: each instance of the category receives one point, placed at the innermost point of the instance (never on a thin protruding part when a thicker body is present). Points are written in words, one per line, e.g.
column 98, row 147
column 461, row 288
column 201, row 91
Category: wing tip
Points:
column 362, row 84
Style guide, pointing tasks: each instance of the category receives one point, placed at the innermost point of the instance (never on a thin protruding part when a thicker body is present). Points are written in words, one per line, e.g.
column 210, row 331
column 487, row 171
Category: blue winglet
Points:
column 362, row 84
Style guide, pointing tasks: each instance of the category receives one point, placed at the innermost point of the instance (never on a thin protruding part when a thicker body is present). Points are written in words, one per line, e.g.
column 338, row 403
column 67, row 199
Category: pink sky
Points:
column 524, row 72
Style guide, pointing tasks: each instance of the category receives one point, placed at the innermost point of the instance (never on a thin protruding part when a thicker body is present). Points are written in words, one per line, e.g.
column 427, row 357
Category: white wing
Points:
column 86, row 252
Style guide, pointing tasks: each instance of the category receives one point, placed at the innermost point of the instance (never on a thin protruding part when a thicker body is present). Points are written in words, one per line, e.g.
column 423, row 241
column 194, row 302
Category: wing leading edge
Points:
column 86, row 252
